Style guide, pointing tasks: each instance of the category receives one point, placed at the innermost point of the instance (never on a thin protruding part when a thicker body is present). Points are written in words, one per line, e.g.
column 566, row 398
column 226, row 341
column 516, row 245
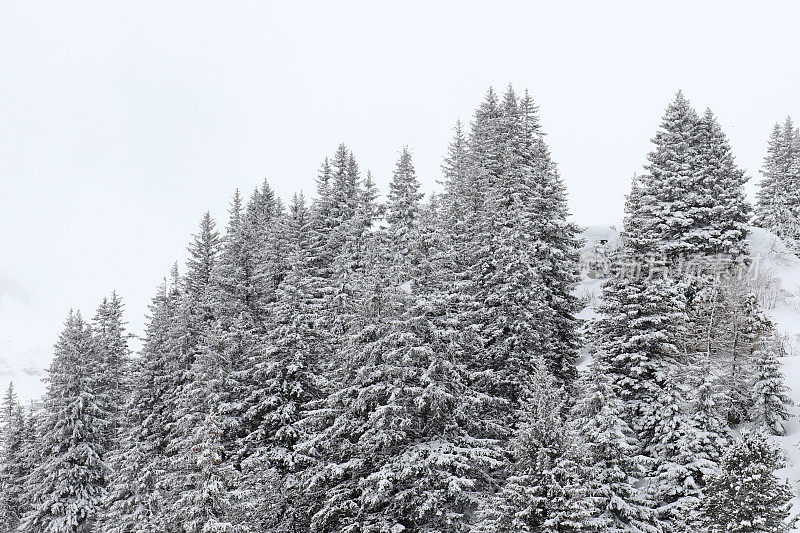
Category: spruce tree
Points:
column 778, row 202
column 770, row 398
column 612, row 457
column 67, row 487
column 138, row 491
column 14, row 467
column 111, row 338
column 747, row 496
column 546, row 486
column 639, row 329
column 722, row 213
column 288, row 380
column 558, row 252
column 399, row 444
column 198, row 405
column 402, row 215
column 672, row 208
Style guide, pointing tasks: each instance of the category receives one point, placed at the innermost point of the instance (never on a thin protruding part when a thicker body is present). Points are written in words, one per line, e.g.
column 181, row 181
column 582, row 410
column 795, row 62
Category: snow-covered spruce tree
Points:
column 557, row 253
column 400, row 442
column 288, row 380
column 546, row 488
column 515, row 322
column 457, row 173
column 744, row 330
column 707, row 346
column 673, row 486
column 521, row 254
column 461, row 207
column 778, row 199
column 66, row 489
column 206, row 405
column 641, row 324
column 770, row 398
column 747, row 496
column 108, row 326
column 241, row 297
column 693, row 192
column 261, row 255
column 723, row 206
column 611, row 456
column 14, row 467
column 350, row 264
column 343, row 198
column 137, row 490
column 673, row 197
column 199, row 404
column 402, row 215
column 338, row 215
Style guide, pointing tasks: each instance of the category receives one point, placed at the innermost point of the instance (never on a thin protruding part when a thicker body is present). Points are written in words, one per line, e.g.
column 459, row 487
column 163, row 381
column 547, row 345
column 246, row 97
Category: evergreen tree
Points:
column 66, row 489
column 522, row 260
column 545, row 489
column 254, row 242
column 14, row 468
column 674, row 484
column 287, row 377
column 403, row 214
column 672, row 208
column 611, row 457
column 721, row 215
column 639, row 330
column 111, row 338
column 771, row 401
column 198, row 404
column 557, row 252
column 397, row 443
column 138, row 492
column 746, row 496
column 778, row 202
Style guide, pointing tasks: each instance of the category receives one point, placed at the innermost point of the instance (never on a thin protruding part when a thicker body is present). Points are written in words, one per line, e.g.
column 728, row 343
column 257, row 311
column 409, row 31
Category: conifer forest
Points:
column 366, row 361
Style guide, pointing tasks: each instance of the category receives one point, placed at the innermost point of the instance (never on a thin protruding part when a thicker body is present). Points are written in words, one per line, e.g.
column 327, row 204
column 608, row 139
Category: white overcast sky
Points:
column 121, row 123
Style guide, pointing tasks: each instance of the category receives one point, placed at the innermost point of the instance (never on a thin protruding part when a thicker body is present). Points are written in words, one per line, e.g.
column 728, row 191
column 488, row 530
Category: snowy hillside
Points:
column 776, row 280
column 25, row 367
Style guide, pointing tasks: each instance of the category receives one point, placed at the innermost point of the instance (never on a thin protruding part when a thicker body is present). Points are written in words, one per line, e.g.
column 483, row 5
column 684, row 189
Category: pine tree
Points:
column 545, row 488
column 403, row 214
column 721, row 215
column 111, row 338
column 399, row 443
column 288, row 380
column 611, row 457
column 138, row 493
column 778, row 202
column 67, row 486
column 746, row 496
column 14, row 468
column 771, row 401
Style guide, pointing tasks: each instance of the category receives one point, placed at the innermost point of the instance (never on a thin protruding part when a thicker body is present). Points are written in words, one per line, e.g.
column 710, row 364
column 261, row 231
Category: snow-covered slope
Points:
column 25, row 367
column 775, row 277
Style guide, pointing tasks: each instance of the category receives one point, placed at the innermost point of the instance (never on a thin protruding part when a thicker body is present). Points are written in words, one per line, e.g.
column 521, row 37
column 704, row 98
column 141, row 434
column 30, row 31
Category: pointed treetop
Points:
column 235, row 210
column 510, row 101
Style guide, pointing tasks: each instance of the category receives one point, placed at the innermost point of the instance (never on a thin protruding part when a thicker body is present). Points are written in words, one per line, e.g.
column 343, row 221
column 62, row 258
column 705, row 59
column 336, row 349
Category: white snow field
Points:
column 775, row 278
